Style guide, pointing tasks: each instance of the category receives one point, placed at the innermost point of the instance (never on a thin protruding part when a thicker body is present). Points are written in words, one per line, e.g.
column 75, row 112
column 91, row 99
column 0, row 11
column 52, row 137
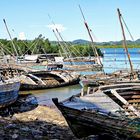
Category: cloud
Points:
column 22, row 36
column 60, row 27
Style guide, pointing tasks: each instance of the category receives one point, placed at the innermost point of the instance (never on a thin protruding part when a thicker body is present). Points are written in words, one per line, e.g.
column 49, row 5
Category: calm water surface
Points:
column 44, row 96
column 114, row 59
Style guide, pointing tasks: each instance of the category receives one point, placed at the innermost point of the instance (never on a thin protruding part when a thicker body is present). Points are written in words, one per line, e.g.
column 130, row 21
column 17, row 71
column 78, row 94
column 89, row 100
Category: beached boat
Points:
column 112, row 110
column 48, row 79
column 82, row 66
column 8, row 91
column 115, row 77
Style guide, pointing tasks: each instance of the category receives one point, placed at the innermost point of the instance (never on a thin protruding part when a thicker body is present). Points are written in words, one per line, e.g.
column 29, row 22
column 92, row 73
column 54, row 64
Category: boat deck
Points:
column 98, row 101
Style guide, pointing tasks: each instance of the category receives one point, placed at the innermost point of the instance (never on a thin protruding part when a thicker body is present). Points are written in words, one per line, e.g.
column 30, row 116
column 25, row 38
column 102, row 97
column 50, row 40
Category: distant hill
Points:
column 137, row 41
column 80, row 41
column 83, row 42
column 129, row 42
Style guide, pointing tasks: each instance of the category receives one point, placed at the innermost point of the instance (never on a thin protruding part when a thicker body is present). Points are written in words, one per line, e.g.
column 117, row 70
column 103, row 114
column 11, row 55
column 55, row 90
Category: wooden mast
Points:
column 60, row 43
column 124, row 41
column 89, row 32
column 10, row 37
column 65, row 45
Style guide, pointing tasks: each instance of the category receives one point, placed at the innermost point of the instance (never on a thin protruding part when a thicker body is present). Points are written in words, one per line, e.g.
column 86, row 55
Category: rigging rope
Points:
column 127, row 28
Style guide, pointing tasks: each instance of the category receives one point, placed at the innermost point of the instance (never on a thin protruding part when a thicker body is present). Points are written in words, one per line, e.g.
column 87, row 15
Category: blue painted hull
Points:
column 8, row 93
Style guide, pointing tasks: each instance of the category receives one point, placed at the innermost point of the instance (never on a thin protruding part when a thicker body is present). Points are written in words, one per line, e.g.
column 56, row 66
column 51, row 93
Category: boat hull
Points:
column 47, row 86
column 8, row 93
column 46, row 80
column 84, row 123
column 95, row 67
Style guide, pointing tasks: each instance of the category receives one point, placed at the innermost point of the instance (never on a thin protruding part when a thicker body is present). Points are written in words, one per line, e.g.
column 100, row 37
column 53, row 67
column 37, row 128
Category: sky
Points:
column 27, row 19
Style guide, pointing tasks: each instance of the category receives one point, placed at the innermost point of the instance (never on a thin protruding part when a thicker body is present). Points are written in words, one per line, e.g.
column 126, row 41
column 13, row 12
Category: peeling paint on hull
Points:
column 8, row 93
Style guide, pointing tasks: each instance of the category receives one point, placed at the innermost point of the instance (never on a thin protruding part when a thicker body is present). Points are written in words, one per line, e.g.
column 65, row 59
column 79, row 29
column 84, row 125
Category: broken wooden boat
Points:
column 8, row 91
column 110, row 78
column 113, row 110
column 48, row 79
column 82, row 66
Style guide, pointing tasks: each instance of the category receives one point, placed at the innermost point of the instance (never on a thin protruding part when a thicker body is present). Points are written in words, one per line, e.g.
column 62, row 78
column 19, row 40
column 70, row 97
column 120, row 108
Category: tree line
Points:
column 42, row 45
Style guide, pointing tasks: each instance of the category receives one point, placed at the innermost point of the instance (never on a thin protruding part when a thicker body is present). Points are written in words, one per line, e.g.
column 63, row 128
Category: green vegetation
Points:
column 84, row 50
column 37, row 46
column 41, row 45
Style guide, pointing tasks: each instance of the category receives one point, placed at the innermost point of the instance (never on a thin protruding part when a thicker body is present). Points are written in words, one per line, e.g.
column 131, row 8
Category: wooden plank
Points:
column 101, row 100
column 136, row 112
column 127, row 97
column 134, row 101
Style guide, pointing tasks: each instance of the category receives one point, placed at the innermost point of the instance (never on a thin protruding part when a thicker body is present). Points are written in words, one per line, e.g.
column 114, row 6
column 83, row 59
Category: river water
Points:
column 114, row 59
column 44, row 97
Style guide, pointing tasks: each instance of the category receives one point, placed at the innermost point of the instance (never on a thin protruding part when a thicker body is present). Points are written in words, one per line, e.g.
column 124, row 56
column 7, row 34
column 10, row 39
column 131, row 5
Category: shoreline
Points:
column 42, row 123
column 26, row 120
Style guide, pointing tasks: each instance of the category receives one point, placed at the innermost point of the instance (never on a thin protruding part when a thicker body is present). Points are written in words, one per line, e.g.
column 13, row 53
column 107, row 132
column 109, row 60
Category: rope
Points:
column 127, row 28
column 29, row 48
column 1, row 45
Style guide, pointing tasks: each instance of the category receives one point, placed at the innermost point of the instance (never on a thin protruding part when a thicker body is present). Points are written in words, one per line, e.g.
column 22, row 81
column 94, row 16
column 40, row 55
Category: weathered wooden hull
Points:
column 51, row 79
column 8, row 93
column 84, row 123
column 83, row 67
column 47, row 86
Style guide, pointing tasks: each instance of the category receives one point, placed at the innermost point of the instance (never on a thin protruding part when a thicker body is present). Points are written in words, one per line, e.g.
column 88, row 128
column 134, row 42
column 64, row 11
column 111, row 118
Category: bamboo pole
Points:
column 65, row 45
column 124, row 41
column 89, row 33
column 10, row 37
column 60, row 43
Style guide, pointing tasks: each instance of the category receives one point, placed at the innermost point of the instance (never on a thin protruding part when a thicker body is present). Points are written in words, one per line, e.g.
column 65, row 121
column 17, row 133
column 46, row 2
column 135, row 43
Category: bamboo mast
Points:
column 65, row 45
column 60, row 43
column 89, row 33
column 10, row 37
column 124, row 41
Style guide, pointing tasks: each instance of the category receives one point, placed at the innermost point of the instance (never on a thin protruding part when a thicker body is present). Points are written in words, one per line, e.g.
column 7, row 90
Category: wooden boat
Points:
column 8, row 92
column 112, row 110
column 48, row 79
column 80, row 59
column 83, row 67
column 106, row 79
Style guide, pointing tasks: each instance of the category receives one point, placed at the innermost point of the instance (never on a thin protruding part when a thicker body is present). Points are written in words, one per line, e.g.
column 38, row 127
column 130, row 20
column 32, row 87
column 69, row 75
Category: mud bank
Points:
column 26, row 120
